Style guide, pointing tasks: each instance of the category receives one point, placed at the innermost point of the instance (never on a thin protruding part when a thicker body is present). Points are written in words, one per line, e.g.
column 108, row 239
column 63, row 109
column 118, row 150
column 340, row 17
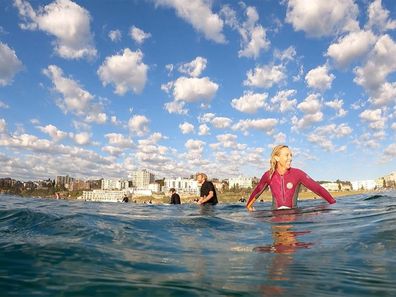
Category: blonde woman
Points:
column 285, row 182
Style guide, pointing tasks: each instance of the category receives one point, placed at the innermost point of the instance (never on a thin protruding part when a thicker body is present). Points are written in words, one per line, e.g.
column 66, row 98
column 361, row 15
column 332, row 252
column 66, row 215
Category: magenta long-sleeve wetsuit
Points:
column 284, row 188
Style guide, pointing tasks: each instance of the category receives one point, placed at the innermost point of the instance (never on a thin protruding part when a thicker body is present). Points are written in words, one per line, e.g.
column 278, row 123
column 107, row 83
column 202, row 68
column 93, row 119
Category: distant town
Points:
column 142, row 183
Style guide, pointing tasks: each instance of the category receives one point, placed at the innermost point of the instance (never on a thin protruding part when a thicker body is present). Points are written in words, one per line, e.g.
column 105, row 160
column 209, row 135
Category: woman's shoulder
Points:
column 297, row 171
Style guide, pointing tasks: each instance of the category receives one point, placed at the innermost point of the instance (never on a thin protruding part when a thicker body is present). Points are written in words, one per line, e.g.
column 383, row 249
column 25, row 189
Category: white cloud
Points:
column 311, row 108
column 379, row 17
column 138, row 125
column 54, row 132
column 319, row 78
column 385, row 95
column 112, row 150
column 380, row 63
column 203, row 129
column 10, row 65
column 194, row 68
column 286, row 55
column 265, row 76
column 115, row 35
column 194, row 89
column 138, row 35
column 3, row 126
column 75, row 99
column 176, row 107
column 199, row 14
column 281, row 99
column 4, row 105
column 390, row 150
column 280, row 138
column 337, row 105
column 221, row 122
column 119, row 140
column 374, row 118
column 264, row 125
column 322, row 18
column 227, row 140
column 351, row 47
column 82, row 138
column 186, row 128
column 196, row 146
column 64, row 19
column 322, row 136
column 393, row 126
column 126, row 72
column 250, row 102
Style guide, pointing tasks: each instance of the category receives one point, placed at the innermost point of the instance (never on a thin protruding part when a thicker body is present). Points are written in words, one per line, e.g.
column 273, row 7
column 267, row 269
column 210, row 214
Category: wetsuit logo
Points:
column 289, row 185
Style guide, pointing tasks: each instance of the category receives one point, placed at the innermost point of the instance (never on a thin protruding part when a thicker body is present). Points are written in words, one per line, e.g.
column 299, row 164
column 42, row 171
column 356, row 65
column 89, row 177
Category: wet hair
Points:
column 275, row 152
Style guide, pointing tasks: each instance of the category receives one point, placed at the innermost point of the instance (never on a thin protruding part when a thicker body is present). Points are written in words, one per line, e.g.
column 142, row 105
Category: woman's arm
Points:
column 316, row 188
column 261, row 186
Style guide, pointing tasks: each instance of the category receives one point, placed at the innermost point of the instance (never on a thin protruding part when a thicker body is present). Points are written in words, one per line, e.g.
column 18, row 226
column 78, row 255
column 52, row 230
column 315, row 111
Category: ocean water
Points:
column 72, row 248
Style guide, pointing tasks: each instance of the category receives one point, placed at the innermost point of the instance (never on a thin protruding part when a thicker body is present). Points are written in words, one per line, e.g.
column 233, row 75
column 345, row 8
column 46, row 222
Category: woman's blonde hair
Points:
column 275, row 152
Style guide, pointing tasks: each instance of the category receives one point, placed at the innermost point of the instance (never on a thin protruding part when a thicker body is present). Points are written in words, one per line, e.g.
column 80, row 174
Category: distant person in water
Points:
column 125, row 199
column 285, row 182
column 175, row 198
column 208, row 192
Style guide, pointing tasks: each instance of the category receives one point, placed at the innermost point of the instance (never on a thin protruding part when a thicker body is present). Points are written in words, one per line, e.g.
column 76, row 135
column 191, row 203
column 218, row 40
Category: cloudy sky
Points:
column 101, row 88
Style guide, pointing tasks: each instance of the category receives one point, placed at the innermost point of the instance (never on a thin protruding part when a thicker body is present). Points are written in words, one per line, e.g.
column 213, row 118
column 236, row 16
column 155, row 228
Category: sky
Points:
column 98, row 89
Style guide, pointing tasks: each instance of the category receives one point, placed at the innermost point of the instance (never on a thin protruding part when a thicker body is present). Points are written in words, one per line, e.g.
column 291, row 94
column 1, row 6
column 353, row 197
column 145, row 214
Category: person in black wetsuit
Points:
column 125, row 199
column 175, row 198
column 208, row 192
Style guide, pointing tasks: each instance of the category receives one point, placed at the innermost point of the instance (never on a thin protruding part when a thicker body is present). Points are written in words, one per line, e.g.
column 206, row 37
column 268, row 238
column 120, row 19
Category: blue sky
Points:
column 101, row 88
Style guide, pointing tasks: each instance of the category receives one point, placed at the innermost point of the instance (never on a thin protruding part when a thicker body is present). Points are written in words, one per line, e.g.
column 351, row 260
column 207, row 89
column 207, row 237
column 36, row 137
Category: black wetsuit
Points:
column 206, row 187
column 175, row 199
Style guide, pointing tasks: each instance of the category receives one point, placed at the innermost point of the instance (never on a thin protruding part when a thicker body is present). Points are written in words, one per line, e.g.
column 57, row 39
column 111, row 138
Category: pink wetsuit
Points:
column 284, row 188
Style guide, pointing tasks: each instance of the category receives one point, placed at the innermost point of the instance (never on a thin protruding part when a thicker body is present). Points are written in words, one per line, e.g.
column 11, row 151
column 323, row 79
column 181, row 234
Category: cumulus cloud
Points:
column 350, row 47
column 119, row 140
column 203, row 129
column 125, row 71
column 186, row 128
column 319, row 78
column 194, row 68
column 390, row 150
column 250, row 102
column 199, row 14
column 322, row 18
column 253, row 35
column 138, row 125
column 115, row 35
column 265, row 76
column 195, row 146
column 82, row 138
column 380, row 63
column 54, row 132
column 385, row 95
column 322, row 136
column 337, row 105
column 221, row 122
column 194, row 89
column 68, row 22
column 279, row 138
column 176, row 107
column 311, row 107
column 75, row 99
column 10, row 65
column 264, row 125
column 282, row 102
column 138, row 35
column 3, row 105
column 379, row 17
column 374, row 118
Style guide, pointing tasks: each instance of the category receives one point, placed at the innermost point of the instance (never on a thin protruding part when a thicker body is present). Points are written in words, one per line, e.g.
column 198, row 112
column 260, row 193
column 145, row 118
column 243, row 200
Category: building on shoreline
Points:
column 364, row 184
column 182, row 185
column 142, row 178
column 240, row 182
column 104, row 195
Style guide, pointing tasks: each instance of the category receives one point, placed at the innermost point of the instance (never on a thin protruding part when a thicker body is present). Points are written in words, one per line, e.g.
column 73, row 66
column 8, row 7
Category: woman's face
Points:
column 284, row 158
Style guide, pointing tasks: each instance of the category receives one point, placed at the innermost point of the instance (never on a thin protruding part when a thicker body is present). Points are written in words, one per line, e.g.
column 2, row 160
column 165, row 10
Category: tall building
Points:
column 64, row 181
column 114, row 184
column 142, row 178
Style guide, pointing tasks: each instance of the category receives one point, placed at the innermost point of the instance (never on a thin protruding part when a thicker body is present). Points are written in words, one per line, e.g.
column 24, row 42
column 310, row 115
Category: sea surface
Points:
column 73, row 248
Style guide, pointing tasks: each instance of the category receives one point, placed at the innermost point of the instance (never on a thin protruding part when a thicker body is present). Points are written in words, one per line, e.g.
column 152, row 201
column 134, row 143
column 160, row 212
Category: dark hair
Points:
column 172, row 190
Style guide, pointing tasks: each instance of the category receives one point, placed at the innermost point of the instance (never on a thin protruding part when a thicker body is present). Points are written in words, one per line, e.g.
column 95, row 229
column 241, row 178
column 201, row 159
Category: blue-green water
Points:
column 70, row 248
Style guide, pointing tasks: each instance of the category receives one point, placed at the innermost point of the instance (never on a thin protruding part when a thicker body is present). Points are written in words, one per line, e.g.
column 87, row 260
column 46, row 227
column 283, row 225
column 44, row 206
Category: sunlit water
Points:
column 71, row 248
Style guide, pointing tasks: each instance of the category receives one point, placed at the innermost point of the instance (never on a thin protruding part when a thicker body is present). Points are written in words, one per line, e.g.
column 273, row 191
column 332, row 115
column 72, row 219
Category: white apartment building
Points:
column 142, row 178
column 114, row 184
column 240, row 182
column 104, row 195
column 182, row 185
column 364, row 184
column 331, row 186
